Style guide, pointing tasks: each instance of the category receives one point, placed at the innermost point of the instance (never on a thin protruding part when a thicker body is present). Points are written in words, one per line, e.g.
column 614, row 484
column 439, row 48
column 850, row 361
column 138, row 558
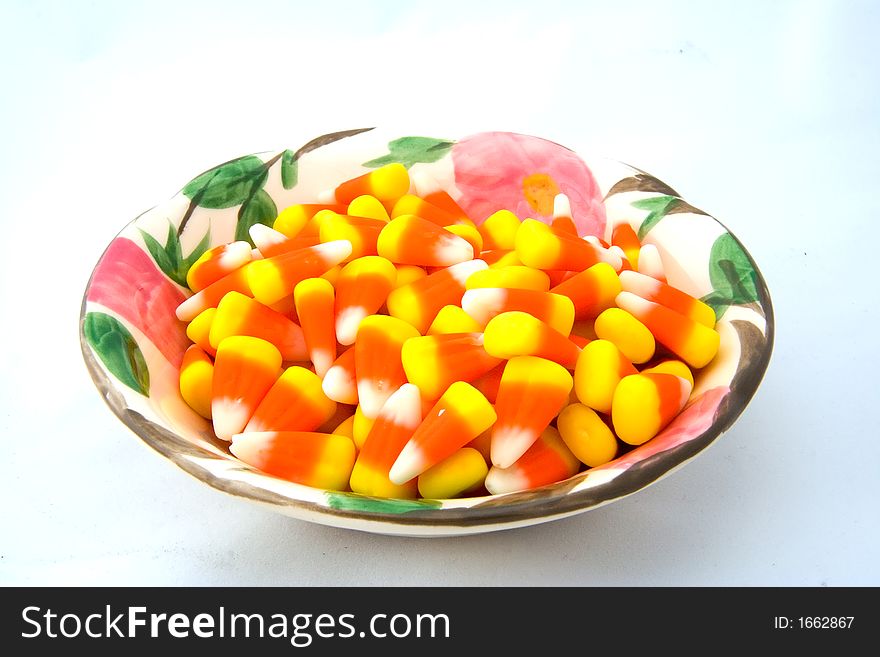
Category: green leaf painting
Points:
column 289, row 169
column 732, row 274
column 352, row 502
column 118, row 351
column 241, row 182
column 412, row 150
column 657, row 207
column 168, row 256
column 229, row 184
column 257, row 209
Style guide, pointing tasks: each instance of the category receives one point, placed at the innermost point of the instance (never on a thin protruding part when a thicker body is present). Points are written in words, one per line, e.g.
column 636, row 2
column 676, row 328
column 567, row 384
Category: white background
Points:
column 765, row 114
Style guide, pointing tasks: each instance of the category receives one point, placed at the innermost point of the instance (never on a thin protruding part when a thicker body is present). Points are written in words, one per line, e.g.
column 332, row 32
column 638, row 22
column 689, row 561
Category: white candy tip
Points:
column 339, row 386
column 191, row 307
column 504, row 480
column 327, row 197
column 336, row 251
column 251, row 446
column 650, row 263
column 462, row 271
column 423, row 183
column 263, row 236
column 407, row 465
column 347, row 323
column 370, row 398
column 323, row 360
column 453, row 250
column 229, row 417
column 561, row 206
column 404, row 407
column 632, row 303
column 509, row 443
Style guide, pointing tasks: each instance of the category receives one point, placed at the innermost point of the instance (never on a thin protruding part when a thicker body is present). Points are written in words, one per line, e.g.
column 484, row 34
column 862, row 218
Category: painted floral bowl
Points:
column 133, row 343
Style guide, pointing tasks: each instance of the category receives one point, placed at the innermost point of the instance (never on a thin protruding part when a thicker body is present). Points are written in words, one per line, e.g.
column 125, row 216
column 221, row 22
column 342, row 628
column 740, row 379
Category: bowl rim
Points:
column 485, row 513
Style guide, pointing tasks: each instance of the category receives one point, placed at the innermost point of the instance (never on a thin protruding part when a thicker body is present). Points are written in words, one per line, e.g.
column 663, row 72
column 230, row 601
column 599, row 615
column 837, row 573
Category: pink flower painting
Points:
column 503, row 170
column 127, row 282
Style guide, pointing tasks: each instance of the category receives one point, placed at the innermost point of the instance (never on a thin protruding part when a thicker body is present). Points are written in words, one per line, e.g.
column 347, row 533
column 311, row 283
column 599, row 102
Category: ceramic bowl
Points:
column 133, row 344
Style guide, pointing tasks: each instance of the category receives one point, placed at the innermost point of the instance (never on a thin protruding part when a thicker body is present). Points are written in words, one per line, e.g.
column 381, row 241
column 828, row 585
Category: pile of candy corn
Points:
column 387, row 344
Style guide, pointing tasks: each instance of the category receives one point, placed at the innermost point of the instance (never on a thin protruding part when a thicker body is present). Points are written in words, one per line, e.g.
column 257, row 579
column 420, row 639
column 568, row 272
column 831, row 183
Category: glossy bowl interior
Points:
column 133, row 344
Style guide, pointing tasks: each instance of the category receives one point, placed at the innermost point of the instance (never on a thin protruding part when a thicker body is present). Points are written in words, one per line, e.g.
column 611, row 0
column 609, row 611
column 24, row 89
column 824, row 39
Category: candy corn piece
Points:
column 538, row 246
column 407, row 274
column 499, row 230
column 199, row 330
column 394, row 426
column 488, row 383
column 453, row 319
column 650, row 263
column 598, row 242
column 676, row 367
column 387, row 183
column 292, row 220
column 694, row 343
column 313, row 228
column 295, row 402
column 321, row 460
column 547, row 461
column 411, row 240
column 216, row 263
column 599, row 369
column 496, row 258
column 361, row 427
column 591, row 291
column 362, row 232
column 196, row 376
column 513, row 277
column 270, row 242
column 244, row 370
column 434, row 362
column 314, row 299
column 286, row 307
column 458, row 417
column 586, row 435
column 562, row 221
column 342, row 413
column 485, row 303
column 412, row 204
column 361, row 289
column 274, row 278
column 340, row 382
column 266, row 239
column 378, row 366
column 459, row 473
column 367, row 206
column 331, row 275
column 531, row 393
column 209, row 297
column 238, row 314
column 628, row 334
column 430, row 190
column 516, row 333
column 418, row 303
column 483, row 444
column 469, row 233
column 653, row 290
column 645, row 403
column 444, row 201
column 625, row 237
column 345, row 428
column 624, row 261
